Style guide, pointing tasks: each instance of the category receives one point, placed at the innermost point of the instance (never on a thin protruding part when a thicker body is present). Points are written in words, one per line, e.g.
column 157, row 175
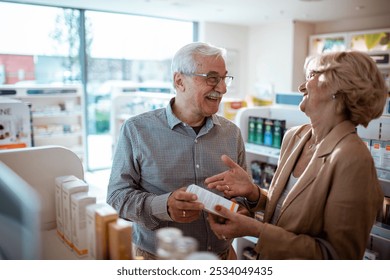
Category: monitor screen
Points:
column 20, row 233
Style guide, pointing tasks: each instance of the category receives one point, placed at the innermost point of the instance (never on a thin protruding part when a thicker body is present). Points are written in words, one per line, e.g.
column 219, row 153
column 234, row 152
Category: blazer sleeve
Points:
column 350, row 208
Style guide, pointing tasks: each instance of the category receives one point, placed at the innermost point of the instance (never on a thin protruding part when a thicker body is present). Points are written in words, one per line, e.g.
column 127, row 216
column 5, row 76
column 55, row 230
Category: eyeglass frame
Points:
column 212, row 75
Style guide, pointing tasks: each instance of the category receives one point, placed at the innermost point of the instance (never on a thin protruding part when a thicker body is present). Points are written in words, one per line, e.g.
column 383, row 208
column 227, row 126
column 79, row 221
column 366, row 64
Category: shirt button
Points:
column 196, row 140
column 209, row 248
column 197, row 166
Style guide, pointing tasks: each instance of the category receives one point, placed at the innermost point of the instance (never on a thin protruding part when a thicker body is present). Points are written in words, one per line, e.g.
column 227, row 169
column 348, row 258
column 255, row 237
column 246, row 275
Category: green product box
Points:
column 278, row 132
column 251, row 129
column 259, row 131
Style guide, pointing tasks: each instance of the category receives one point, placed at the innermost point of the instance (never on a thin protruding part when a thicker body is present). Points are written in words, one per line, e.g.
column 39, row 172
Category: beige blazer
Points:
column 332, row 207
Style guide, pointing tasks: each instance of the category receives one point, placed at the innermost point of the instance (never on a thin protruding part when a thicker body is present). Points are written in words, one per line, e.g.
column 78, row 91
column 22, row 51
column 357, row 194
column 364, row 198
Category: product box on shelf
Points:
column 69, row 188
column 79, row 203
column 262, row 173
column 228, row 108
column 376, row 152
column 58, row 202
column 98, row 218
column 380, row 151
column 119, row 240
column 266, row 131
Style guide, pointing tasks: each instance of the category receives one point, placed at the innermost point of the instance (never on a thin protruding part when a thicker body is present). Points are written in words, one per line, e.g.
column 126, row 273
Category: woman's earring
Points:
column 334, row 96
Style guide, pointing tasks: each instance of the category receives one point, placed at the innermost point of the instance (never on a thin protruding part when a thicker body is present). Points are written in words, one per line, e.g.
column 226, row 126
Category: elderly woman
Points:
column 325, row 195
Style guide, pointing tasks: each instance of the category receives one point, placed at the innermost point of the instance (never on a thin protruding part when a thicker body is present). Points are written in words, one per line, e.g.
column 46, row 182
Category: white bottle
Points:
column 185, row 246
column 166, row 238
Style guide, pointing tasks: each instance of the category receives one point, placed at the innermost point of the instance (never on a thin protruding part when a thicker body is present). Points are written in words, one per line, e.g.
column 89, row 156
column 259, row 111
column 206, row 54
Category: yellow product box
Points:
column 69, row 188
column 58, row 202
column 229, row 108
column 119, row 240
column 79, row 202
column 98, row 218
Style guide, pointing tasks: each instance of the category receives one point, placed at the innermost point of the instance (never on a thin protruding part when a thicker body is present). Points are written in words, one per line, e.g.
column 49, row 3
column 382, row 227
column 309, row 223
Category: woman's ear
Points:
column 178, row 79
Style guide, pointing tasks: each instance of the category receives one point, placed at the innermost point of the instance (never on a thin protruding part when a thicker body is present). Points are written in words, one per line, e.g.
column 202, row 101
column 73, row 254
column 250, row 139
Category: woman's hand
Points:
column 234, row 224
column 234, row 182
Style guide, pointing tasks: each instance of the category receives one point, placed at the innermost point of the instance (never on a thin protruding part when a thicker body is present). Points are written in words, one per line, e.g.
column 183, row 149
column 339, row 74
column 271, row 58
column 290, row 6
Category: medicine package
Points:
column 210, row 199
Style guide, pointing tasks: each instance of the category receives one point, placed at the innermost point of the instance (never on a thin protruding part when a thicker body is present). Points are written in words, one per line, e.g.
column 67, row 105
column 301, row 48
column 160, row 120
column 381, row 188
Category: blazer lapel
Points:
column 324, row 149
column 282, row 175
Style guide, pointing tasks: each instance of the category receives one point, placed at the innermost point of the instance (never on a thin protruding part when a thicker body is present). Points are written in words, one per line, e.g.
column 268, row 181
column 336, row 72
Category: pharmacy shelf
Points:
column 126, row 104
column 57, row 114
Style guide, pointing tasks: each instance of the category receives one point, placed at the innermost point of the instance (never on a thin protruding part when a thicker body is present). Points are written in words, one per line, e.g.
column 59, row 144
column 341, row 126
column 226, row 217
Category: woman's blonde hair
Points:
column 358, row 85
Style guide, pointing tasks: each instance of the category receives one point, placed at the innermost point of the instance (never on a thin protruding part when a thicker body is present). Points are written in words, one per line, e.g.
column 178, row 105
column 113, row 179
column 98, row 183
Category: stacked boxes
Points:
column 265, row 131
column 69, row 188
column 89, row 229
column 98, row 218
column 58, row 201
column 79, row 202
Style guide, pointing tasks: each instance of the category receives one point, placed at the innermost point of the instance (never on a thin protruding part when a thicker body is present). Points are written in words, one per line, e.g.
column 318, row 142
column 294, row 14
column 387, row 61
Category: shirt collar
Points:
column 173, row 120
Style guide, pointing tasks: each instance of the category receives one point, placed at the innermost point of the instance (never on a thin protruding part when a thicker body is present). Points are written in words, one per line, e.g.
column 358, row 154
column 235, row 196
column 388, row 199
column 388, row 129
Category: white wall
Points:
column 274, row 53
column 271, row 56
column 235, row 40
column 349, row 25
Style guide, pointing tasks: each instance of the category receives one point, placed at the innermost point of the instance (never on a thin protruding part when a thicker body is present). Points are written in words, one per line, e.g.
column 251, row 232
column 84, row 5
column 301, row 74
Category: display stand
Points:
column 39, row 166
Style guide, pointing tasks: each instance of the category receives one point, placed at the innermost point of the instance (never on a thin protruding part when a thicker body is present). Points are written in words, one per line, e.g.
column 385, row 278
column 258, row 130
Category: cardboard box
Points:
column 69, row 188
column 79, row 202
column 58, row 202
column 120, row 240
column 98, row 218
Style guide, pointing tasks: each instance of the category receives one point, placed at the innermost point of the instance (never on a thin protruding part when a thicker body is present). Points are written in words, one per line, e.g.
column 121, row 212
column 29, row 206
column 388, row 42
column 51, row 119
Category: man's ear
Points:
column 178, row 79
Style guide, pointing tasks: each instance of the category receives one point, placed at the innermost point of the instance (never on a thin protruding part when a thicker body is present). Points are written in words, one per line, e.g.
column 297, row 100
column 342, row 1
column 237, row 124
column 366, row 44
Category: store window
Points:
column 125, row 53
column 40, row 50
column 118, row 49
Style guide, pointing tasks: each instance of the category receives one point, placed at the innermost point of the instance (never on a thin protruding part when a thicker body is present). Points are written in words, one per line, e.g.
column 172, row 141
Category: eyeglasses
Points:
column 213, row 79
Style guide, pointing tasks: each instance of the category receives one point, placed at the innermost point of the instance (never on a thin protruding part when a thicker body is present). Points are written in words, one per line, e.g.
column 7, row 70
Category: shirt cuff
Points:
column 159, row 207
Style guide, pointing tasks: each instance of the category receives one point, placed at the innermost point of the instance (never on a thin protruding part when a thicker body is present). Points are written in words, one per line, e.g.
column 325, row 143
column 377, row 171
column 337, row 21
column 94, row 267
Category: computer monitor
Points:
column 20, row 233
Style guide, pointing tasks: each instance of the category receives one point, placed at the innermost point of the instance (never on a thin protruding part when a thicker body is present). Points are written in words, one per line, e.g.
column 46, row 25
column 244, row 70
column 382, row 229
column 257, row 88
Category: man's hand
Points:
column 183, row 207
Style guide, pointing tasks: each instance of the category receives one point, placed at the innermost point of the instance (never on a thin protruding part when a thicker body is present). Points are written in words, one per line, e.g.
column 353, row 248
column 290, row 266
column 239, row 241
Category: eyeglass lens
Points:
column 214, row 80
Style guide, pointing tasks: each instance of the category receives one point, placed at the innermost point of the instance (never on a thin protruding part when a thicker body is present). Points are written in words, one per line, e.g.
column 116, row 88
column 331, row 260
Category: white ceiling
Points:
column 238, row 12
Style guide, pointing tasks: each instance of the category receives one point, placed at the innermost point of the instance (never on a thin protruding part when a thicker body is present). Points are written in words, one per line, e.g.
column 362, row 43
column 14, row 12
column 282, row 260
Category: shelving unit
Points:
column 378, row 129
column 368, row 41
column 128, row 101
column 290, row 113
column 57, row 114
